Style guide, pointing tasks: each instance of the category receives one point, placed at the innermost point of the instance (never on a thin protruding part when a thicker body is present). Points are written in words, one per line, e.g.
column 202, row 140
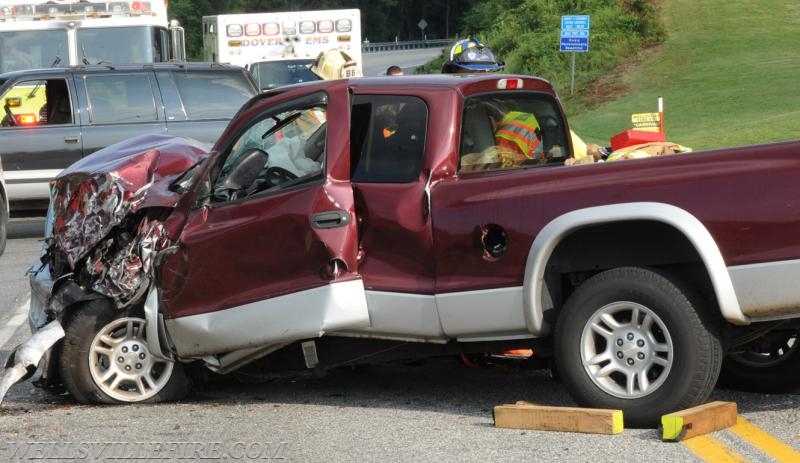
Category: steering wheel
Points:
column 278, row 175
column 10, row 120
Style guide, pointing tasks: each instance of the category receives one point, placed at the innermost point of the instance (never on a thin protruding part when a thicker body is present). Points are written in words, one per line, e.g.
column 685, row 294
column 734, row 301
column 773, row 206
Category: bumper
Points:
column 23, row 361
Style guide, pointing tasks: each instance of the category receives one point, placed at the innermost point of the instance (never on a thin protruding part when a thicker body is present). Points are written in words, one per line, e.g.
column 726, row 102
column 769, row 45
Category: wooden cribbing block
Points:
column 697, row 421
column 525, row 415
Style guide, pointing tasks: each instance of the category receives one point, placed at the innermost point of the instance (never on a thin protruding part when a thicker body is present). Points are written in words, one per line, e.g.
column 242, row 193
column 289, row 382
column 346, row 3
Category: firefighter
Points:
column 519, row 137
column 469, row 56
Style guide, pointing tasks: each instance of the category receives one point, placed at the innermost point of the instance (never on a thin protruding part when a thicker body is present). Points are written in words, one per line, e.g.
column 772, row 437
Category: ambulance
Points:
column 279, row 47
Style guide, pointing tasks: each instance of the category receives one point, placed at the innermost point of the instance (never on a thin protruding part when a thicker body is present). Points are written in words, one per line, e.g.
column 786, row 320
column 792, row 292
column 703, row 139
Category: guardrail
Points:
column 371, row 47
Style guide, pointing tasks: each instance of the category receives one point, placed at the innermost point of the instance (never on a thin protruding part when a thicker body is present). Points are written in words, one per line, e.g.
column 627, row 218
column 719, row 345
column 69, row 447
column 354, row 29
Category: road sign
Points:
column 422, row 24
column 574, row 38
column 574, row 43
column 575, row 22
column 575, row 33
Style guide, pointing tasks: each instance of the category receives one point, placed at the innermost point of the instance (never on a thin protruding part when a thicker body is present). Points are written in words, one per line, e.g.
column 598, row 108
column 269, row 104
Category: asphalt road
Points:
column 436, row 411
column 375, row 64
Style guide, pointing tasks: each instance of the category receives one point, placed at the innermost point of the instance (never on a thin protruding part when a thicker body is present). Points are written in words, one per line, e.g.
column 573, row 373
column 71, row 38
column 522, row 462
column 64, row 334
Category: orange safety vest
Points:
column 519, row 132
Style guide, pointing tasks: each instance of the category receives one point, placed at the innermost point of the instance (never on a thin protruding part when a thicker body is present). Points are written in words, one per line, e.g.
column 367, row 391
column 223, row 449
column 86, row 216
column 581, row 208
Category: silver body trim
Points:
column 305, row 314
column 151, row 316
column 768, row 291
column 29, row 184
column 683, row 221
column 491, row 313
column 400, row 316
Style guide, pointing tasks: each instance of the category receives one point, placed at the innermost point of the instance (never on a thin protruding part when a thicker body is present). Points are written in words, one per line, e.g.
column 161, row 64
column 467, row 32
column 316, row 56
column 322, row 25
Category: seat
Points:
column 477, row 130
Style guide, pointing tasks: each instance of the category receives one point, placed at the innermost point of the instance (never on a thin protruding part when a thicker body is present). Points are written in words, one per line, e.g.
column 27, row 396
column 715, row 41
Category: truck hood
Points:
column 97, row 193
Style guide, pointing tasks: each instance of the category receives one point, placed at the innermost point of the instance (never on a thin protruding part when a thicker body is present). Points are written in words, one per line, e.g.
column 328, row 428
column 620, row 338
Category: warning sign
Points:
column 647, row 122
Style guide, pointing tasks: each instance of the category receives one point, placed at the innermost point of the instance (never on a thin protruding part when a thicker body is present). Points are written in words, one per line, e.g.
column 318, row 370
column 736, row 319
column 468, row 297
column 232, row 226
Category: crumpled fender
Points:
column 22, row 362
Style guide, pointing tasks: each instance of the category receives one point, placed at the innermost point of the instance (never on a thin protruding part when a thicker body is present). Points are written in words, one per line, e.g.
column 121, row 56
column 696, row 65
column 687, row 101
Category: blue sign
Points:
column 575, row 33
column 574, row 44
column 575, row 22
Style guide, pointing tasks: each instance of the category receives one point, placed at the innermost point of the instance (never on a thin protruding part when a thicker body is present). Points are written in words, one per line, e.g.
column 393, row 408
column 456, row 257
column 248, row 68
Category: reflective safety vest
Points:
column 519, row 131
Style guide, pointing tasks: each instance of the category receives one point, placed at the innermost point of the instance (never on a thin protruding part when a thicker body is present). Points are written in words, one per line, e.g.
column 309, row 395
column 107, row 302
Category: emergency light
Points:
column 75, row 10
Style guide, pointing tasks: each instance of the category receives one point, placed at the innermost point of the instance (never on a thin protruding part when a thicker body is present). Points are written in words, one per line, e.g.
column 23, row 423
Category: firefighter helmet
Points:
column 471, row 55
column 335, row 64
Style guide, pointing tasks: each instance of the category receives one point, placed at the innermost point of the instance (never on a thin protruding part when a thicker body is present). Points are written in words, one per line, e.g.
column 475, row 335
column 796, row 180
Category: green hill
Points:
column 729, row 72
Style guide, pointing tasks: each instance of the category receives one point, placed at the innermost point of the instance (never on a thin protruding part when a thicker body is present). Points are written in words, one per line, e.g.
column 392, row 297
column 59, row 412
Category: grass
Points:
column 729, row 73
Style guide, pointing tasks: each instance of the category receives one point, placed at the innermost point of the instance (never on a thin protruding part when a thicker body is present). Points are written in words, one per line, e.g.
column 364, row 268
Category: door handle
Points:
column 330, row 219
column 72, row 139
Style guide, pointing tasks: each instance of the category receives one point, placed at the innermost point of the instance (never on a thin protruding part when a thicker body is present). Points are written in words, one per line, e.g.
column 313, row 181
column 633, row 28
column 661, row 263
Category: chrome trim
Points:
column 561, row 226
column 305, row 314
column 768, row 291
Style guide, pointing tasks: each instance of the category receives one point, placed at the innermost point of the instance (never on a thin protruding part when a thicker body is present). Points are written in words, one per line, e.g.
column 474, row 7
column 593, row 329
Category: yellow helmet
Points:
column 335, row 64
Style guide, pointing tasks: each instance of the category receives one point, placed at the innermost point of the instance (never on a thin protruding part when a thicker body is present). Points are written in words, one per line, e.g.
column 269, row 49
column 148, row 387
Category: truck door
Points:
column 40, row 134
column 271, row 260
column 391, row 181
column 118, row 106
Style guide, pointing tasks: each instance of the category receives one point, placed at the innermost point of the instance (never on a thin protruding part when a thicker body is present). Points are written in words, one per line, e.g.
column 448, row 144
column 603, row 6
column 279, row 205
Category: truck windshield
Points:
column 271, row 74
column 122, row 45
column 33, row 49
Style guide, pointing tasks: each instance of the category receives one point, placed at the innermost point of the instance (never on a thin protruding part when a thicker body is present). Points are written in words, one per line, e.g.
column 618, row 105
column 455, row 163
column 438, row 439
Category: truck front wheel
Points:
column 634, row 339
column 105, row 359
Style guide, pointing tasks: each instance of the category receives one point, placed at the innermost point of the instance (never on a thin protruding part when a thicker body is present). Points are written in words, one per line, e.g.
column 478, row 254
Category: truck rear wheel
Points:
column 770, row 364
column 105, row 359
column 633, row 339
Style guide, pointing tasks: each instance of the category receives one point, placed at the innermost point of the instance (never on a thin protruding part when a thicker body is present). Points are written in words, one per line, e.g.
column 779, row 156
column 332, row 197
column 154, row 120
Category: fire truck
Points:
column 279, row 47
column 50, row 33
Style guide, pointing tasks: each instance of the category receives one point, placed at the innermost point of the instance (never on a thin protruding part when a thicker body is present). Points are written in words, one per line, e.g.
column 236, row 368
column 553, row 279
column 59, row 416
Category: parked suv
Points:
column 53, row 117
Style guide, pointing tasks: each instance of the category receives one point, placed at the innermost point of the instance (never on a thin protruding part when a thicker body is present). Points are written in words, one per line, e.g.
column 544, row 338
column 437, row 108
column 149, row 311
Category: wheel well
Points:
column 590, row 250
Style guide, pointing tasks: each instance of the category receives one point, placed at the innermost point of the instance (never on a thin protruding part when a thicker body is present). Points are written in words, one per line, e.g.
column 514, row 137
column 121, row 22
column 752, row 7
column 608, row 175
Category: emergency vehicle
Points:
column 47, row 33
column 279, row 47
column 60, row 33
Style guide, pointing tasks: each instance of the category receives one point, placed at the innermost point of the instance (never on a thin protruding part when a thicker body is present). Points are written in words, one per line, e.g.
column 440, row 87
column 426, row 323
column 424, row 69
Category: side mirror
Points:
column 245, row 171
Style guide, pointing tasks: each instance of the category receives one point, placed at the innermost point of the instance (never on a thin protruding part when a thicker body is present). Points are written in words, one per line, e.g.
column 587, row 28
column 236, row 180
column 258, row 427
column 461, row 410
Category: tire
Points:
column 105, row 359
column 3, row 223
column 769, row 365
column 668, row 361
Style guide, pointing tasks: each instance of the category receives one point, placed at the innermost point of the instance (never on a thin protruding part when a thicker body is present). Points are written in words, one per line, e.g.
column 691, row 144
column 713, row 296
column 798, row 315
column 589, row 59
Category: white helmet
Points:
column 335, row 64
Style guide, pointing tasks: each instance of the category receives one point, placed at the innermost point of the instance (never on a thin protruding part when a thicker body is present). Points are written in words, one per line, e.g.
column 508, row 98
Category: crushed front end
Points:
column 106, row 231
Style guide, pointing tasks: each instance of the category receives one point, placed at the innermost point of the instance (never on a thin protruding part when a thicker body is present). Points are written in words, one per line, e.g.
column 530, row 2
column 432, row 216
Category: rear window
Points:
column 511, row 130
column 211, row 95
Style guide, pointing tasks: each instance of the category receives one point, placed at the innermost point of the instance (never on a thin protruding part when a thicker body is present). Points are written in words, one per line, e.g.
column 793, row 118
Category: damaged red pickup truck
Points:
column 368, row 220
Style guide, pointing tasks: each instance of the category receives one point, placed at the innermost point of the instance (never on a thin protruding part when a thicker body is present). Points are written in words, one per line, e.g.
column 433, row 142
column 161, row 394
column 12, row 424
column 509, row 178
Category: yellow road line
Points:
column 713, row 450
column 771, row 446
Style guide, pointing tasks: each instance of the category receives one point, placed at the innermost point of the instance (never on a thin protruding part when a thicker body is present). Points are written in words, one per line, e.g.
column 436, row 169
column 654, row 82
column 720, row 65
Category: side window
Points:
column 278, row 150
column 211, row 95
column 511, row 131
column 387, row 139
column 120, row 98
column 32, row 103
